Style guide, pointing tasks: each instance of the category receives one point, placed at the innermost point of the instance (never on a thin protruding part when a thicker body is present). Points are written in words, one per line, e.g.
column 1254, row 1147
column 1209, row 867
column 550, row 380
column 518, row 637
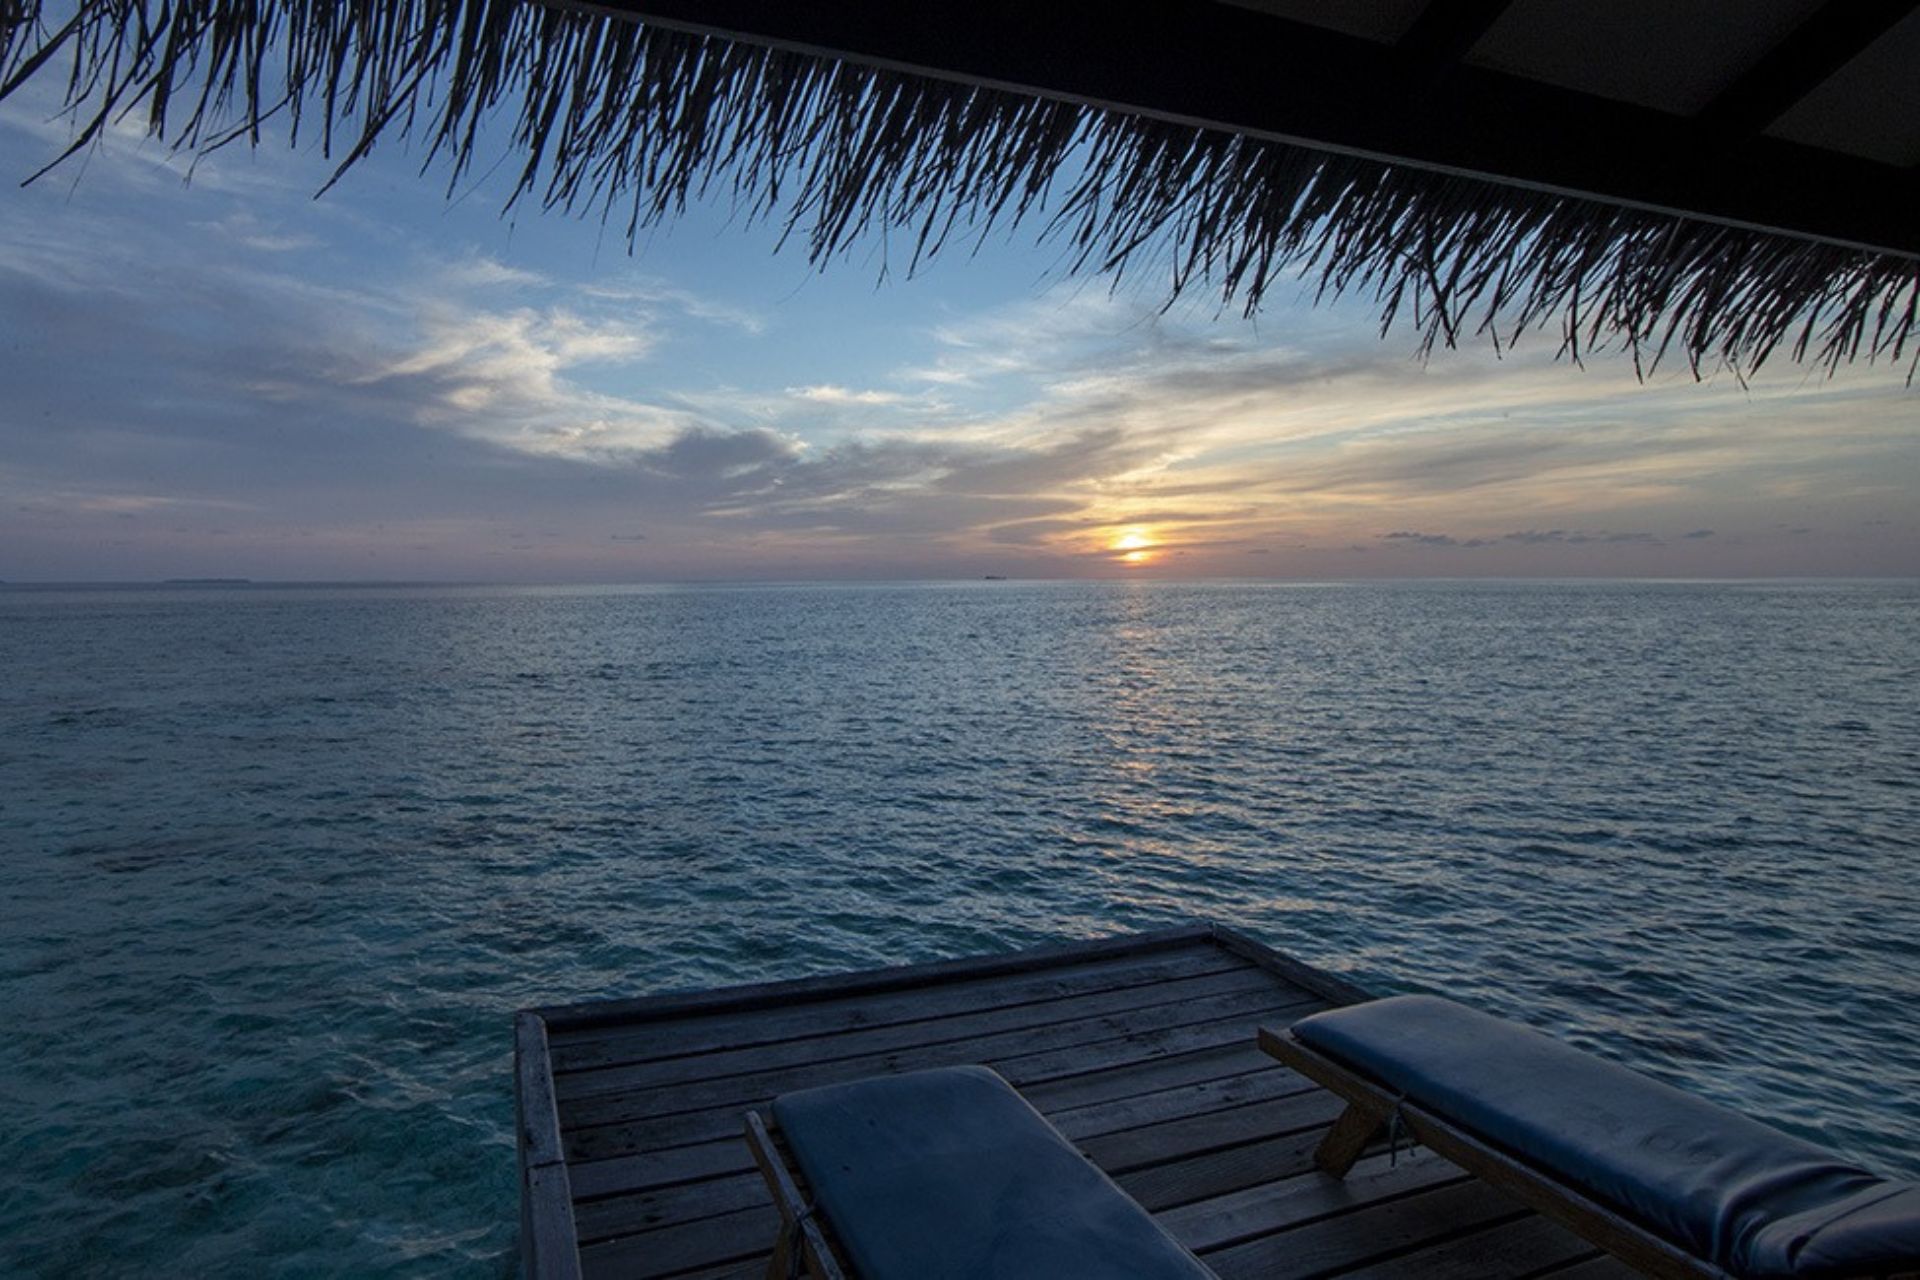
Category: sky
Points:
column 209, row 372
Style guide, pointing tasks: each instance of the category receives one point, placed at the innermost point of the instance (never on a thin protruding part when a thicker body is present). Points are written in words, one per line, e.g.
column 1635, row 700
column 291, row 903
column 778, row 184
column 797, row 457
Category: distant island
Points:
column 207, row 582
column 995, row 577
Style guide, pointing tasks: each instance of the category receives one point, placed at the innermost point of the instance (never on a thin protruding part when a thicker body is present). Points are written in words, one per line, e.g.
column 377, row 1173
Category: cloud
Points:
column 1527, row 537
column 714, row 456
column 481, row 271
column 438, row 395
column 525, row 345
column 512, row 378
column 1028, row 533
column 1434, row 539
column 245, row 228
column 647, row 291
column 1043, row 335
column 1575, row 538
column 123, row 503
column 1040, row 464
column 1698, row 533
column 827, row 393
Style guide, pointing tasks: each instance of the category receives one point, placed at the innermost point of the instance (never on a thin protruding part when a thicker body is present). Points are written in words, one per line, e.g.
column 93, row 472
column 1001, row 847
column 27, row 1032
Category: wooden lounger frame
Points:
column 798, row 1223
column 1371, row 1108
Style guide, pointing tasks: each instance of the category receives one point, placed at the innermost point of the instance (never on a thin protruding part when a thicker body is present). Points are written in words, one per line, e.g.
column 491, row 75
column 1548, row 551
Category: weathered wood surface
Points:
column 1140, row 1050
column 548, row 1236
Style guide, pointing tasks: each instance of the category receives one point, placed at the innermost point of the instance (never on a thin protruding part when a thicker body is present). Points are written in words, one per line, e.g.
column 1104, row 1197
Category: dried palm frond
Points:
column 632, row 120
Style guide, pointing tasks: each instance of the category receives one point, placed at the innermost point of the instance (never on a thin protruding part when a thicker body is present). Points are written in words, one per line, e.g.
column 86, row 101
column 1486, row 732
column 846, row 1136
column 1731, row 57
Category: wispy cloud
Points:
column 1576, row 537
column 649, row 292
column 828, row 393
column 1433, row 539
column 482, row 271
column 403, row 391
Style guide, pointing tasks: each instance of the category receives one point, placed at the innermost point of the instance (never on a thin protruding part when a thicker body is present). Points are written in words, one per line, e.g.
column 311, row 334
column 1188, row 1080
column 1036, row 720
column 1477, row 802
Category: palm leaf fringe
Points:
column 632, row 121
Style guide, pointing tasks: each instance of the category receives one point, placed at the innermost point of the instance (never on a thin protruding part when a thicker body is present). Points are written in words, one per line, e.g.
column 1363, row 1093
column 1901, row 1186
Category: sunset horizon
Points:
column 381, row 384
column 1201, row 640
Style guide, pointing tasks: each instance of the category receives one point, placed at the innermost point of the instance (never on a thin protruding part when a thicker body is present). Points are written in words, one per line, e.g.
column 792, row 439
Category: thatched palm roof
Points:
column 847, row 137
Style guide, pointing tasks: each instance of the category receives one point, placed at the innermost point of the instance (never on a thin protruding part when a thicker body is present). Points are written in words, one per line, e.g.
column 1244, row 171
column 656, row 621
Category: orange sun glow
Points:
column 1132, row 547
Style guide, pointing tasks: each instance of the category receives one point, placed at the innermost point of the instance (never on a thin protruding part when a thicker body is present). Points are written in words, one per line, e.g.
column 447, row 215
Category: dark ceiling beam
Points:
column 1223, row 66
column 1446, row 31
column 1831, row 37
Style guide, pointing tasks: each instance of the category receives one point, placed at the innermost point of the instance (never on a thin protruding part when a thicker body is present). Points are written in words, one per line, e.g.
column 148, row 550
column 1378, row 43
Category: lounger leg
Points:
column 1350, row 1134
column 780, row 1265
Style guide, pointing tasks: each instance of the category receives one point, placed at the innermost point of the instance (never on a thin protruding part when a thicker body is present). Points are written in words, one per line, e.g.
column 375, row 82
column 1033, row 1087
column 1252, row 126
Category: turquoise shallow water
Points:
column 278, row 864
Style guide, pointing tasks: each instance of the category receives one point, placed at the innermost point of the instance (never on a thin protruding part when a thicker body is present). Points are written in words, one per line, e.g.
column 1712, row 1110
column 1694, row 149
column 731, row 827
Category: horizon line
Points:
column 242, row 584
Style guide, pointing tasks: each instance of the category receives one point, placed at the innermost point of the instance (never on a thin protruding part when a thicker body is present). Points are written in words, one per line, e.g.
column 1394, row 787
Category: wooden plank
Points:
column 686, row 1246
column 539, row 1124
column 637, row 1042
column 752, row 1269
column 1024, row 1070
column 1332, row 1245
column 1182, row 1037
column 1271, row 77
column 657, row 1132
column 761, row 995
column 548, row 1247
column 1138, row 1079
column 1507, row 1251
column 1601, row 1268
column 732, row 1236
column 611, row 1217
column 581, row 1116
column 650, row 1169
column 1331, row 987
column 1093, row 1120
column 1139, row 1148
column 1178, row 1182
column 606, row 1217
column 1219, row 1221
column 904, row 1035
column 546, row 1200
column 744, row 1233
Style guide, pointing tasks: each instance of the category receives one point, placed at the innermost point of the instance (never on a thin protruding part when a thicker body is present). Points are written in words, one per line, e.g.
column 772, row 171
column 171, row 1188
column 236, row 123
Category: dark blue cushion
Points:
column 1746, row 1197
column 950, row 1173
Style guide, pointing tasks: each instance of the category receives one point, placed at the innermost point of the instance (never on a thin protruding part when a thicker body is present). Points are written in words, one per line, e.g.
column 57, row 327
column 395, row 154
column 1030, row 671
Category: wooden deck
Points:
column 1140, row 1049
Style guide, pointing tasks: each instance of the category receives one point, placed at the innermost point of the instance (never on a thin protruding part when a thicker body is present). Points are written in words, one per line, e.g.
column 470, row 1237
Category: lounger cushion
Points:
column 1750, row 1199
column 949, row 1173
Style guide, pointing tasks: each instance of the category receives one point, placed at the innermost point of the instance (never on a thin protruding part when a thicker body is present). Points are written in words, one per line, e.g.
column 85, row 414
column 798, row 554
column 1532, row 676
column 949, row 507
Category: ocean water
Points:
column 277, row 864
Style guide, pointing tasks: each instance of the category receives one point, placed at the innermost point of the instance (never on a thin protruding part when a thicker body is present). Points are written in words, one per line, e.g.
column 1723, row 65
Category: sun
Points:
column 1133, row 547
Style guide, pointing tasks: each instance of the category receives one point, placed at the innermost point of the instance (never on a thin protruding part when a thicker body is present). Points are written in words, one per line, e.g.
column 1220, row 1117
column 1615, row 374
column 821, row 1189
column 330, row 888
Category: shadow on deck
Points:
column 1140, row 1049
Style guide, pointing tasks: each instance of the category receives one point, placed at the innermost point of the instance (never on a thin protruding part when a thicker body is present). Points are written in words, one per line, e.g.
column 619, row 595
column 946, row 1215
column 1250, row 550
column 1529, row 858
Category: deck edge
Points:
column 549, row 1243
column 674, row 1004
column 1320, row 982
column 549, row 1240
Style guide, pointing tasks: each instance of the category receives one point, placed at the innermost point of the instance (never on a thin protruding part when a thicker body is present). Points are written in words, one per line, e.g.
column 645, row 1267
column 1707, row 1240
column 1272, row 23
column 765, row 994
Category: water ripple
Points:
column 280, row 864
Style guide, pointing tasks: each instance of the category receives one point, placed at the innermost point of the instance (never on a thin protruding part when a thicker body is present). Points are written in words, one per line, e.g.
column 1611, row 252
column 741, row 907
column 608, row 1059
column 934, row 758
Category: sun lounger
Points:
column 1667, row 1182
column 944, row 1174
